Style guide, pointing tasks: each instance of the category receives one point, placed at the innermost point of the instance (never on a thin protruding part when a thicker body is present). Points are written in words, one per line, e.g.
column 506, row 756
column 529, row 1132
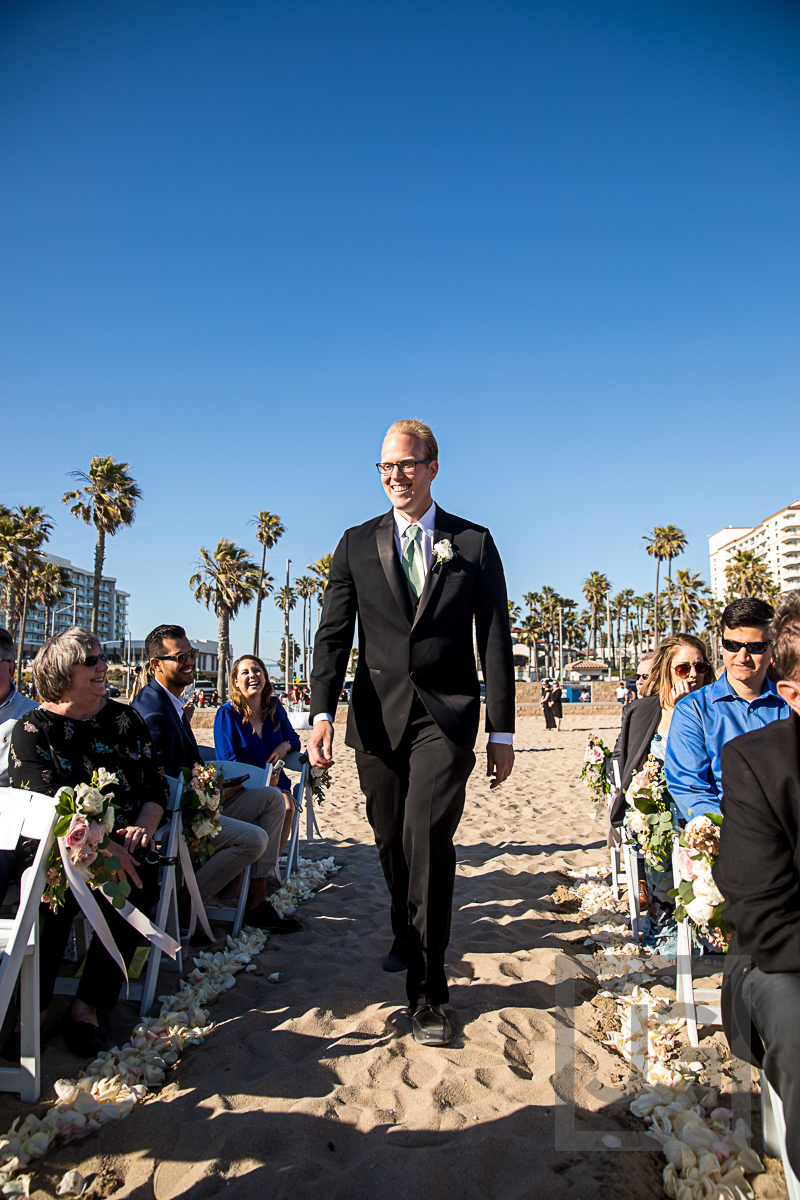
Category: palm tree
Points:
column 713, row 614
column 623, row 601
column 294, row 653
column 595, row 589
column 225, row 581
column 33, row 527
column 514, row 616
column 11, row 557
column 286, row 599
column 674, row 542
column 107, row 501
column 50, row 584
column 688, row 590
column 657, row 549
column 268, row 530
column 306, row 587
column 320, row 568
column 748, row 575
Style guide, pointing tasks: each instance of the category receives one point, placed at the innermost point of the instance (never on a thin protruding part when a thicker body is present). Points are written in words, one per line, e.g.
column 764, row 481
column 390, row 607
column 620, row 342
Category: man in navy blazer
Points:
column 253, row 817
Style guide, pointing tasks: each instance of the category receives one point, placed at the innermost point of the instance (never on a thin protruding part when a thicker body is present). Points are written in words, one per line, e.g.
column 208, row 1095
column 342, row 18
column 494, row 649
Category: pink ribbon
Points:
column 190, row 879
column 94, row 914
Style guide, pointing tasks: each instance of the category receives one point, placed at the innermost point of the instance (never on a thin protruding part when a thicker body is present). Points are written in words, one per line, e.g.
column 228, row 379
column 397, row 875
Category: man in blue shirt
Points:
column 741, row 699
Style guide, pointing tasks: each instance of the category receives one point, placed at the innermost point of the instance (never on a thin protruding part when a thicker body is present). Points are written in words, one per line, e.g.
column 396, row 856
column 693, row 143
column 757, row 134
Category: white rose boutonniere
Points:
column 443, row 551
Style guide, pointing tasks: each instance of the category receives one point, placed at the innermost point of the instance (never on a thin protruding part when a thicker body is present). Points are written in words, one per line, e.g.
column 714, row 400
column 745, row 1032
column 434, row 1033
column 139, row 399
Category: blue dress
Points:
column 234, row 741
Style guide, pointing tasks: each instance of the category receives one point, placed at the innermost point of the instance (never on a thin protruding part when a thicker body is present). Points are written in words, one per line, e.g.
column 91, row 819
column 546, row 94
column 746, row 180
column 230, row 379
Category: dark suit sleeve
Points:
column 334, row 637
column 163, row 733
column 493, row 636
column 755, row 870
column 619, row 755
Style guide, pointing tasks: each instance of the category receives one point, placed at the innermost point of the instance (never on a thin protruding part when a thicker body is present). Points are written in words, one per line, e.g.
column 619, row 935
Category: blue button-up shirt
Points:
column 702, row 723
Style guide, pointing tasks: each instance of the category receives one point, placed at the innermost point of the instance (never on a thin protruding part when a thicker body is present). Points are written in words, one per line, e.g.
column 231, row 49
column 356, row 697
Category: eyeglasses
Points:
column 643, row 677
column 92, row 660
column 408, row 466
column 180, row 658
column 751, row 647
column 683, row 670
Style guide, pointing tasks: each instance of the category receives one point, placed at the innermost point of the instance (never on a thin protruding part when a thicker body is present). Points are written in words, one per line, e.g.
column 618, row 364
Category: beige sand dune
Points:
column 314, row 1086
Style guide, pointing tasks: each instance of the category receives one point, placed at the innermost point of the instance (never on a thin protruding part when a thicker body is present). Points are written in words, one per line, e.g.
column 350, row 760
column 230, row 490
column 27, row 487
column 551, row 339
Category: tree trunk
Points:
column 223, row 654
column 258, row 600
column 671, row 611
column 20, row 651
column 655, row 603
column 99, row 559
column 594, row 631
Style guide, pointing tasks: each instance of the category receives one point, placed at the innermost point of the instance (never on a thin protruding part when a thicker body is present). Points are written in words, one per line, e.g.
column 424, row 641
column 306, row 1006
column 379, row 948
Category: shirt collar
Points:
column 9, row 697
column 722, row 690
column 178, row 703
column 427, row 522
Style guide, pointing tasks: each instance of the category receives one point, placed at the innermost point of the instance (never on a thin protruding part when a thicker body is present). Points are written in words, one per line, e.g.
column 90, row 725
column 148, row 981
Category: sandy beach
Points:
column 313, row 1085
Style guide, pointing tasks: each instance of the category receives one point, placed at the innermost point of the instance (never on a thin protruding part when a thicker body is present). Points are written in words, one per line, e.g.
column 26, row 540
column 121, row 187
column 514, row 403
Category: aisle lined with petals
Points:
column 312, row 1080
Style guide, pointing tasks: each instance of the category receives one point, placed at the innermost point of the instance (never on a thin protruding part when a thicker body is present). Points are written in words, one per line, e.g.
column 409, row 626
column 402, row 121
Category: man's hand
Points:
column 499, row 762
column 320, row 745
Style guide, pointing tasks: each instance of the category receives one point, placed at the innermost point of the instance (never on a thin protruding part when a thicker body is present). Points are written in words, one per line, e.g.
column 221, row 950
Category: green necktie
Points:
column 413, row 560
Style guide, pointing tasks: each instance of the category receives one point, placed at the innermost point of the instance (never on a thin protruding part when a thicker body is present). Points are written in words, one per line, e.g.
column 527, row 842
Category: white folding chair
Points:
column 29, row 815
column 207, row 753
column 629, row 856
column 254, row 777
column 773, row 1133
column 700, row 1006
column 292, row 763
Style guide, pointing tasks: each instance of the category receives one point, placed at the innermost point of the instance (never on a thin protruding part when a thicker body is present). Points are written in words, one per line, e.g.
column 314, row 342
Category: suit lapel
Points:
column 391, row 564
column 437, row 569
column 187, row 737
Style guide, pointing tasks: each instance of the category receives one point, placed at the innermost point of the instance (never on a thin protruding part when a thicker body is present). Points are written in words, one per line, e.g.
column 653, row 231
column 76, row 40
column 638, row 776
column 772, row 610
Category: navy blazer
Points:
column 175, row 744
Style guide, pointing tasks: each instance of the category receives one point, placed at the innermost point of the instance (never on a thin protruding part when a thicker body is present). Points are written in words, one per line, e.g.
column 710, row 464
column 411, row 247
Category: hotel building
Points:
column 776, row 540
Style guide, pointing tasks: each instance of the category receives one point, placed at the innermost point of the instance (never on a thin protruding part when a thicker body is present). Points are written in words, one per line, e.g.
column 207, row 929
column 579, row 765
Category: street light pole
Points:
column 560, row 646
column 286, row 629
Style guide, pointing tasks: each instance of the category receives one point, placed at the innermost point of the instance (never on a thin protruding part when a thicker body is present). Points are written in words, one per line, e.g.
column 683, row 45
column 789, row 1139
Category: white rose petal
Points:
column 72, row 1184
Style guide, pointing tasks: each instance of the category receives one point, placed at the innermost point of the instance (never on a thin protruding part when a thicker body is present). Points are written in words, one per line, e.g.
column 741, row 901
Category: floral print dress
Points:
column 49, row 751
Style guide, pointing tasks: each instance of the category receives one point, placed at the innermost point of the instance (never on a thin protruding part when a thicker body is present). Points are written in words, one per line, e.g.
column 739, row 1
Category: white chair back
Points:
column 292, row 763
column 207, row 753
column 29, row 815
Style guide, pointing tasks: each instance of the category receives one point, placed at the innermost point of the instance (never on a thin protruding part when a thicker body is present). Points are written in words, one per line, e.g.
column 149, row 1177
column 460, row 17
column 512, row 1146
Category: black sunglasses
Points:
column 751, row 647
column 92, row 660
column 179, row 658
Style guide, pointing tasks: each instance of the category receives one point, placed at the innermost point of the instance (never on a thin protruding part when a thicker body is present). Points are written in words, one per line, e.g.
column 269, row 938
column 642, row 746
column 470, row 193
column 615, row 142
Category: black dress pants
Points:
column 102, row 979
column 774, row 1002
column 415, row 798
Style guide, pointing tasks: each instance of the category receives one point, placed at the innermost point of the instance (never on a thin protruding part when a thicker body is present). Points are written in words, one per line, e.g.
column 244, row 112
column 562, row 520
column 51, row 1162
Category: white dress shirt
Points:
column 177, row 701
column 427, row 525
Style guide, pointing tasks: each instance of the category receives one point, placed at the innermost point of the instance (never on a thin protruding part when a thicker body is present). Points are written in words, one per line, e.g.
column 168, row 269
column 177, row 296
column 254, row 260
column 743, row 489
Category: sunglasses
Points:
column 181, row 658
column 92, row 660
column 751, row 647
column 683, row 670
column 647, row 676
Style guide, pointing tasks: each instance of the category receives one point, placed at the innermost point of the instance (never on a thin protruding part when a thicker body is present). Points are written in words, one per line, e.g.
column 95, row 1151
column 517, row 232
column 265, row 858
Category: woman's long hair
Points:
column 268, row 697
column 659, row 681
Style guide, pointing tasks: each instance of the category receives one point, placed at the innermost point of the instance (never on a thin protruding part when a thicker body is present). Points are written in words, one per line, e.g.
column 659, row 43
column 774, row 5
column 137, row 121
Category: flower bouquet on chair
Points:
column 593, row 771
column 649, row 816
column 698, row 899
column 201, row 806
column 86, row 818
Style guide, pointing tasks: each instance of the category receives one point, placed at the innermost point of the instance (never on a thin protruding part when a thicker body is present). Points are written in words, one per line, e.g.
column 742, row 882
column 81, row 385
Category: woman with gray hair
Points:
column 74, row 733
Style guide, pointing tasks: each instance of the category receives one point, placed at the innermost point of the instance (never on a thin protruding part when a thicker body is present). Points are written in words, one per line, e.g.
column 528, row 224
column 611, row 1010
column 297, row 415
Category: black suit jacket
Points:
column 758, row 869
column 174, row 742
column 403, row 649
column 639, row 722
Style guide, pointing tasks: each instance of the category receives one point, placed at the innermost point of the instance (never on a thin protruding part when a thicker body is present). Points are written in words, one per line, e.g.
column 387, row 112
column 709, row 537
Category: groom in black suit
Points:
column 415, row 579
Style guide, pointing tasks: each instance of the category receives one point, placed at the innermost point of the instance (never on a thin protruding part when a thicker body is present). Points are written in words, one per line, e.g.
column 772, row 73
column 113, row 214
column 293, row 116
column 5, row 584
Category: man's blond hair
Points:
column 415, row 428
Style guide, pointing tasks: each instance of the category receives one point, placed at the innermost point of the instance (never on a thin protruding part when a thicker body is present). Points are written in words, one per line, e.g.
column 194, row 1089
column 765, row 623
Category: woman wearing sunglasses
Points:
column 76, row 731
column 678, row 667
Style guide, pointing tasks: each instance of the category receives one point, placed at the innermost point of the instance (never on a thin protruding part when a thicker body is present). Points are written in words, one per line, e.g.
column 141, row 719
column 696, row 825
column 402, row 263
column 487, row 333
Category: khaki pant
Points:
column 250, row 835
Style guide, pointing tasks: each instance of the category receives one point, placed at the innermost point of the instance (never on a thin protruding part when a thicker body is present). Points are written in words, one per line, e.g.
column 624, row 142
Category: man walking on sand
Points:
column 415, row 579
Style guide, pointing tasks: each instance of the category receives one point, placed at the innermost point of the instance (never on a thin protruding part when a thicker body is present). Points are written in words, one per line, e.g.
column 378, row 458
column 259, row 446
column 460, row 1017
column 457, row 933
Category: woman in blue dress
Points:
column 252, row 727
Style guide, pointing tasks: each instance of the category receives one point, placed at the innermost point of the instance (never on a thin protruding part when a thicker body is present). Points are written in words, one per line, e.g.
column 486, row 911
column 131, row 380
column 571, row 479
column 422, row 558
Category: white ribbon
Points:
column 190, row 879
column 94, row 914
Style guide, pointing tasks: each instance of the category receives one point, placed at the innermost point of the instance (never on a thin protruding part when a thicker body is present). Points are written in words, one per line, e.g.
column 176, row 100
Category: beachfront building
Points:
column 776, row 540
column 75, row 608
column 119, row 649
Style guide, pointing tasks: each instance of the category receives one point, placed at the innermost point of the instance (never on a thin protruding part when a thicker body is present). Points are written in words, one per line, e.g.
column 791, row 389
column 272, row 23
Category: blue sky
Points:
column 238, row 239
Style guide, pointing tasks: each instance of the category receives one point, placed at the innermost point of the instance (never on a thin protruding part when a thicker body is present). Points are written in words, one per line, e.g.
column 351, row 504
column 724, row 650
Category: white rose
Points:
column 700, row 910
column 212, row 801
column 443, row 550
column 707, row 890
column 108, row 820
column 89, row 800
column 104, row 777
column 203, row 827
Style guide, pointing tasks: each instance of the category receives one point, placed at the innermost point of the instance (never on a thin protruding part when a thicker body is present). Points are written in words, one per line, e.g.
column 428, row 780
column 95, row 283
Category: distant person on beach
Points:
column 547, row 711
column 622, row 693
column 417, row 580
column 758, row 873
column 630, row 696
column 554, row 705
column 742, row 699
column 642, row 673
column 586, row 696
